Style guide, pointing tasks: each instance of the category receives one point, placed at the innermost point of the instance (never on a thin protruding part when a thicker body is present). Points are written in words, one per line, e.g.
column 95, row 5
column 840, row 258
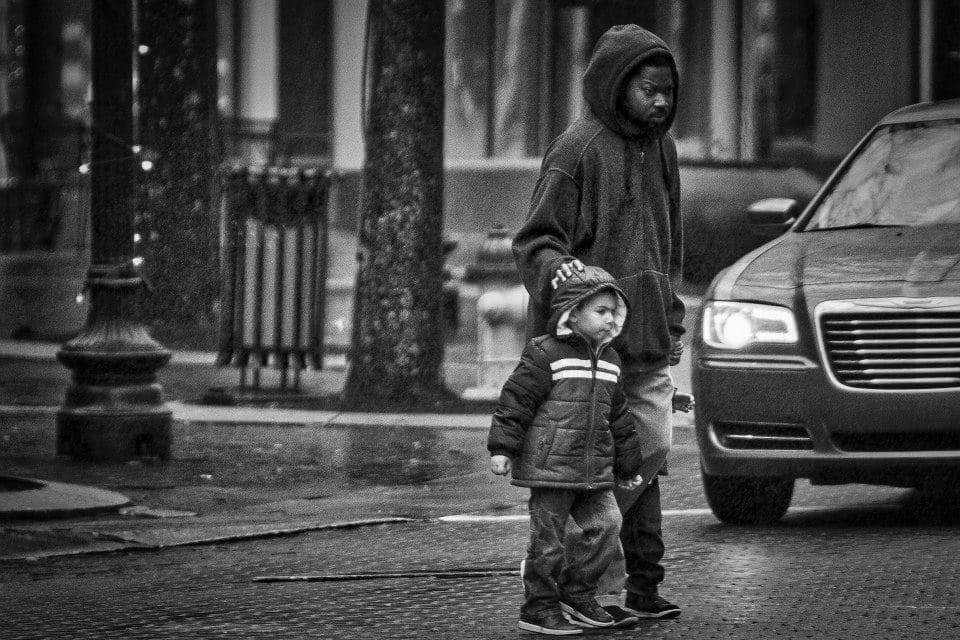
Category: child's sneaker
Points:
column 586, row 613
column 550, row 623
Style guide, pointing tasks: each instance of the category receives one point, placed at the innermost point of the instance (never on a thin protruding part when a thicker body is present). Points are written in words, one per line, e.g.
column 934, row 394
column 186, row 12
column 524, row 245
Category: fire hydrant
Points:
column 501, row 314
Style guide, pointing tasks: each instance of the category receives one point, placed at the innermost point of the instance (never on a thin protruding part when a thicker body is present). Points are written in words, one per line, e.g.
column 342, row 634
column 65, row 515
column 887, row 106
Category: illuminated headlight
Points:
column 734, row 325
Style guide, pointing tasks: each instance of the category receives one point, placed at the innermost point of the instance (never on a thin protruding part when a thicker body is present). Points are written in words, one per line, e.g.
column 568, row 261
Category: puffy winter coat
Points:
column 562, row 416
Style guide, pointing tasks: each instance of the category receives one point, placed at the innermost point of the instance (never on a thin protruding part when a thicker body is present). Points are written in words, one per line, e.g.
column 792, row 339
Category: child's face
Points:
column 593, row 319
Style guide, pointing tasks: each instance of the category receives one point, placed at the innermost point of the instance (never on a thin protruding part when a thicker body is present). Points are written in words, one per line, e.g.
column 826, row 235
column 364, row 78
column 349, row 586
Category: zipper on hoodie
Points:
column 628, row 164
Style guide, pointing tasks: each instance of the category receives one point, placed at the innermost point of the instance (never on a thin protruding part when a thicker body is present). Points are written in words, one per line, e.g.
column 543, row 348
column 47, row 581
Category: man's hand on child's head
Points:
column 631, row 483
column 500, row 465
column 565, row 271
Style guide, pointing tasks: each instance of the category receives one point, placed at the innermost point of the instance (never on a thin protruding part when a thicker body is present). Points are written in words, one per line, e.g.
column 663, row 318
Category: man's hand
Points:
column 631, row 483
column 500, row 465
column 676, row 350
column 565, row 271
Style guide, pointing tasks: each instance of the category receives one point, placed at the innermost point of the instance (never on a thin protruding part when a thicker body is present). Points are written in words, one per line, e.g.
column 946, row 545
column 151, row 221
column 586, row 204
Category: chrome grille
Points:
column 894, row 350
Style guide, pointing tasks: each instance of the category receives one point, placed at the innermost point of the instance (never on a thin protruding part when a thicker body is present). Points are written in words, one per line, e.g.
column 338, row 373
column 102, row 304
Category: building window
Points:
column 778, row 78
column 44, row 88
column 686, row 28
column 467, row 79
column 513, row 75
column 274, row 78
column 515, row 67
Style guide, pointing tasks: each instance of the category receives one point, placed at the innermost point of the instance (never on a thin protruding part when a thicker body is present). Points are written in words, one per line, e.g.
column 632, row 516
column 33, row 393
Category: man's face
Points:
column 648, row 94
column 594, row 317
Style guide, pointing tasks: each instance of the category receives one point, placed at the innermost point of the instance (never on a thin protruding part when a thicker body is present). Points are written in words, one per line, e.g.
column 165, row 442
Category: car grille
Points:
column 762, row 435
column 894, row 350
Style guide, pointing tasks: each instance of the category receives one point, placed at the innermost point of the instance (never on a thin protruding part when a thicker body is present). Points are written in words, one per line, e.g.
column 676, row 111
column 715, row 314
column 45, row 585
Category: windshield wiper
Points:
column 858, row 225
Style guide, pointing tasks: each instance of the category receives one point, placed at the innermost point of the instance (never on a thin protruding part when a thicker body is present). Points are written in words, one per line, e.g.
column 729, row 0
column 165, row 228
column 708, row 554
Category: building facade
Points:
column 783, row 81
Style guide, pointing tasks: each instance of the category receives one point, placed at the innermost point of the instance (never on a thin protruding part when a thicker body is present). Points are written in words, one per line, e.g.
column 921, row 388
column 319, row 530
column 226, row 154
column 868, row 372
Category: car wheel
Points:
column 741, row 500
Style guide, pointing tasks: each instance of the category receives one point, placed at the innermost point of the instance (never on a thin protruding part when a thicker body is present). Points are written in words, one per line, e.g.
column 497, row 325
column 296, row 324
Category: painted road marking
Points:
column 667, row 513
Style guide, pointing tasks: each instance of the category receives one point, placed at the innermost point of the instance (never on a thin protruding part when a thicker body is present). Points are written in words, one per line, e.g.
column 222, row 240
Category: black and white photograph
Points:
column 486, row 319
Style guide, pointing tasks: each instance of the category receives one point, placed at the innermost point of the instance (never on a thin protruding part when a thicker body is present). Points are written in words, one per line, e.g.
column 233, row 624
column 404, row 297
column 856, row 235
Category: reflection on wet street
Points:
column 405, row 455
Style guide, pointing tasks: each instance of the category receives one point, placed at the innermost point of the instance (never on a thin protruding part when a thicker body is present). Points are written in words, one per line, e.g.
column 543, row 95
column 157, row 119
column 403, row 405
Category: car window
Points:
column 906, row 174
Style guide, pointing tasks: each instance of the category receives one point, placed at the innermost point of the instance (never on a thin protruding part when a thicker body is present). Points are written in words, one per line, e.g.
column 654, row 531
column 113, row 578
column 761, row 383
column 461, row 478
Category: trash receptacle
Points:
column 275, row 270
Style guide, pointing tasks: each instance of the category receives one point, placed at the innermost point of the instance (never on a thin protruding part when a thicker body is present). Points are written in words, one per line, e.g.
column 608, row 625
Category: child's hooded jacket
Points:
column 562, row 416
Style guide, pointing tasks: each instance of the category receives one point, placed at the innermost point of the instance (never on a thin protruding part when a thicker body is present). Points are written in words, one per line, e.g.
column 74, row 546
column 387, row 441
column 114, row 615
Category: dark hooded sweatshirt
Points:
column 608, row 195
column 562, row 415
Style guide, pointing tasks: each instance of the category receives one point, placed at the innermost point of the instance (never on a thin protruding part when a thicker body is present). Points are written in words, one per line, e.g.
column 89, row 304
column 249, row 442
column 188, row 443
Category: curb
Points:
column 45, row 499
column 183, row 412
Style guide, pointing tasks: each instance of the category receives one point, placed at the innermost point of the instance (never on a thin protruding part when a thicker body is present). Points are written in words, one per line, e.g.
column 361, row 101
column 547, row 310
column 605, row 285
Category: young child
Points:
column 562, row 428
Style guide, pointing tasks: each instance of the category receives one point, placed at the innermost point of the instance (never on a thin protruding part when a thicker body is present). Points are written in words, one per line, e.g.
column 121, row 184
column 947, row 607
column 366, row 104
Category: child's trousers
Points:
column 546, row 577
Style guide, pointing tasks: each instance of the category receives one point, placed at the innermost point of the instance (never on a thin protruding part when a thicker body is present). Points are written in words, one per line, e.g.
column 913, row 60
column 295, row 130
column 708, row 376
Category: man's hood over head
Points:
column 619, row 51
column 577, row 288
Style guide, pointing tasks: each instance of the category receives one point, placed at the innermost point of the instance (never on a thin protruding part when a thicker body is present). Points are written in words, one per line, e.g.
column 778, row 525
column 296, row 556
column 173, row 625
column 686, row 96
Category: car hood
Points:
column 887, row 261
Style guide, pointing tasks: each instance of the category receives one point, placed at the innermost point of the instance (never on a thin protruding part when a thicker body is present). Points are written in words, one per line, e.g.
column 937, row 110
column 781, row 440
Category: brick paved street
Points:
column 847, row 562
column 821, row 575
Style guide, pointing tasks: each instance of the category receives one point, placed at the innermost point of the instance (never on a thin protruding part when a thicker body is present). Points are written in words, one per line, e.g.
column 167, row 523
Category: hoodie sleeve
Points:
column 677, row 308
column 626, row 442
column 521, row 396
column 544, row 241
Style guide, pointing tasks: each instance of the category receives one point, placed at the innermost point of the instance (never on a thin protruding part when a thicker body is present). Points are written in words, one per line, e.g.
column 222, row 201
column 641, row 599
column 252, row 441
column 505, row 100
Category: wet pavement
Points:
column 337, row 546
column 825, row 573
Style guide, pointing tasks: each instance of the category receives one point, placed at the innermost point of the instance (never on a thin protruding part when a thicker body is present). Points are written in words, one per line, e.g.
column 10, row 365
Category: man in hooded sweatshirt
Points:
column 608, row 195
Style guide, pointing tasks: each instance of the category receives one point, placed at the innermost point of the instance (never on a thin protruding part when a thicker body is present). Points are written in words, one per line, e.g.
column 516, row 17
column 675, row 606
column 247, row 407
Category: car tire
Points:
column 742, row 500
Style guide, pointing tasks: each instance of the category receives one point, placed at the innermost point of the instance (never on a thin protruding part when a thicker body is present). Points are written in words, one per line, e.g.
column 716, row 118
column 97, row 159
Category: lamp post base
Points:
column 93, row 434
column 114, row 410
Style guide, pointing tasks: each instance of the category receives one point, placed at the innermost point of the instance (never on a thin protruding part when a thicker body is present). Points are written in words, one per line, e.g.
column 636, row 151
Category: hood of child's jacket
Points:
column 577, row 288
column 617, row 53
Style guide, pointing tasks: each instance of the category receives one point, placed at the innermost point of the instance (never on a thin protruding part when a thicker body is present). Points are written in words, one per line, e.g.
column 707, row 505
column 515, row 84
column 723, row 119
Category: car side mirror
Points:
column 770, row 217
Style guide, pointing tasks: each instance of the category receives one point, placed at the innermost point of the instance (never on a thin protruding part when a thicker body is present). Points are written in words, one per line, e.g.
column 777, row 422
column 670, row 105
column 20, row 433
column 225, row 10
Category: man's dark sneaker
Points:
column 586, row 613
column 650, row 606
column 550, row 623
column 622, row 619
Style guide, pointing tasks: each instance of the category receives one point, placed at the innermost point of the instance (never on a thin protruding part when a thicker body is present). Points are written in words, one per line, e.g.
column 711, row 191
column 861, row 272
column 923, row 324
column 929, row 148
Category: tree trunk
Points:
column 178, row 222
column 397, row 351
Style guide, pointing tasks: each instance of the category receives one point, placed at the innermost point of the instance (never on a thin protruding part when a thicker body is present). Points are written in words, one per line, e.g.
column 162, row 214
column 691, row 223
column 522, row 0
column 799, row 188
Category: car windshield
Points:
column 906, row 175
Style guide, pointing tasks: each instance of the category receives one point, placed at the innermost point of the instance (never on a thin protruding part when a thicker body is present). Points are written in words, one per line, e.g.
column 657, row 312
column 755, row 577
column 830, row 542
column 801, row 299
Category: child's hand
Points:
column 631, row 483
column 682, row 402
column 500, row 465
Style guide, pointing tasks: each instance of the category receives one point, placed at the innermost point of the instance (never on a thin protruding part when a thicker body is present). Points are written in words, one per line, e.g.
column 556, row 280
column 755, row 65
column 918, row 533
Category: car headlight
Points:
column 734, row 325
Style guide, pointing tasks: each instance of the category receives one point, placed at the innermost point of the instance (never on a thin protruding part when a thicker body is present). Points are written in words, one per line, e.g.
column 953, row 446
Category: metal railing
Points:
column 275, row 270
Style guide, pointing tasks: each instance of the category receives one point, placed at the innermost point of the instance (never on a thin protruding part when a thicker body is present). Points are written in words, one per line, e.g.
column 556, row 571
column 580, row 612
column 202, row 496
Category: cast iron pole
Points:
column 113, row 409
